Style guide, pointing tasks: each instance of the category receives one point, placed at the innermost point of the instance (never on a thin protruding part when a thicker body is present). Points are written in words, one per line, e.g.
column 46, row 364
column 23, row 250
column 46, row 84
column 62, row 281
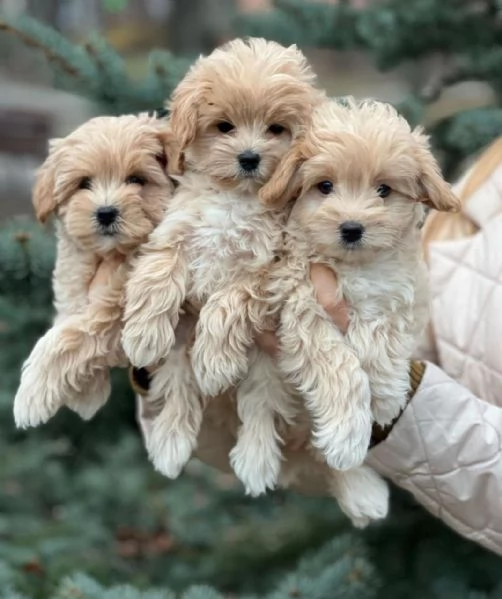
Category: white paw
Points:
column 345, row 445
column 362, row 494
column 216, row 371
column 147, row 347
column 170, row 450
column 34, row 404
column 256, row 464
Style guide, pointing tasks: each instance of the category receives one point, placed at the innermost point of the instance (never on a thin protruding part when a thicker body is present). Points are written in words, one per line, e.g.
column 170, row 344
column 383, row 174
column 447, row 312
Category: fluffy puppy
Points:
column 234, row 115
column 106, row 183
column 362, row 179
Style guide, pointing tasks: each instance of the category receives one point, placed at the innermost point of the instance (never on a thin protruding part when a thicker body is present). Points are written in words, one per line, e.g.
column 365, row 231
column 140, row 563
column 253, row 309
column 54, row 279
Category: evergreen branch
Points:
column 32, row 34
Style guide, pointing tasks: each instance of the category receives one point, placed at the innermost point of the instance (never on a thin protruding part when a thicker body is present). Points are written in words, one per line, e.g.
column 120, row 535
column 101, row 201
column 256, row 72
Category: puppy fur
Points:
column 106, row 183
column 359, row 164
column 234, row 115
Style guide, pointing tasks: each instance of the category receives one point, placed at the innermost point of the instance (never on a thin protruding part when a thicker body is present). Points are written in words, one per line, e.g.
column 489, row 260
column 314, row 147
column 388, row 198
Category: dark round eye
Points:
column 135, row 180
column 383, row 190
column 276, row 129
column 85, row 183
column 325, row 187
column 225, row 127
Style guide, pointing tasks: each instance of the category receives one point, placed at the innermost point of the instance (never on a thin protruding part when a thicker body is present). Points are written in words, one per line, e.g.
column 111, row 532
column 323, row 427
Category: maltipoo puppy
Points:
column 235, row 115
column 107, row 185
column 361, row 178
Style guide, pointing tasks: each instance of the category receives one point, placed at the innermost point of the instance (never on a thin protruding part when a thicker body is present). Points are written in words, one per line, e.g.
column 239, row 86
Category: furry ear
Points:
column 44, row 197
column 169, row 148
column 285, row 183
column 437, row 193
column 184, row 115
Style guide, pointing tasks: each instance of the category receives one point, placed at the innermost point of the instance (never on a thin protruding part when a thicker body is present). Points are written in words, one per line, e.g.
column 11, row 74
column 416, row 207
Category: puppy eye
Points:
column 325, row 187
column 135, row 180
column 383, row 190
column 276, row 129
column 85, row 183
column 225, row 127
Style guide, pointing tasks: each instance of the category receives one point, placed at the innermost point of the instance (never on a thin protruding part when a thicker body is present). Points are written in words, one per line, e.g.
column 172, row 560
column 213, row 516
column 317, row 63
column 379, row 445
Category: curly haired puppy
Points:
column 235, row 115
column 106, row 184
column 362, row 178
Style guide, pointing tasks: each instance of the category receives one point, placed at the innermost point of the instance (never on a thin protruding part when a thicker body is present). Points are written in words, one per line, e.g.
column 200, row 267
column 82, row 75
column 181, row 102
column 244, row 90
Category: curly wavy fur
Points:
column 361, row 178
column 235, row 115
column 106, row 183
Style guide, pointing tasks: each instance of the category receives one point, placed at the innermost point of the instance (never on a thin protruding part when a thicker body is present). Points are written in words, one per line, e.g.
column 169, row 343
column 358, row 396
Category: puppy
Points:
column 362, row 179
column 235, row 115
column 107, row 185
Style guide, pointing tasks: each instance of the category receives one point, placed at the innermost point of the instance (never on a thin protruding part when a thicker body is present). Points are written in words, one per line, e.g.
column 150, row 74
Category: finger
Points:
column 326, row 289
column 267, row 342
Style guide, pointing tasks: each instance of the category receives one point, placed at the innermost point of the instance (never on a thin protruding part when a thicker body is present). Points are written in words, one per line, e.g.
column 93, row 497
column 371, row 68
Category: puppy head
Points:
column 107, row 181
column 237, row 111
column 362, row 179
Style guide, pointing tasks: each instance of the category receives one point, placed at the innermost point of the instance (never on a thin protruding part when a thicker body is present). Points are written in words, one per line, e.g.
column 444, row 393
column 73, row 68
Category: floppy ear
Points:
column 184, row 115
column 285, row 184
column 437, row 193
column 44, row 196
column 170, row 150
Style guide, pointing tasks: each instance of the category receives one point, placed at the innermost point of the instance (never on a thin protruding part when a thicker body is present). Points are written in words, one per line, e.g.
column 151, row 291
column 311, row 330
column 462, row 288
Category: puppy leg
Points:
column 261, row 398
column 316, row 360
column 224, row 334
column 362, row 495
column 385, row 358
column 94, row 396
column 174, row 432
column 155, row 293
column 57, row 368
column 104, row 317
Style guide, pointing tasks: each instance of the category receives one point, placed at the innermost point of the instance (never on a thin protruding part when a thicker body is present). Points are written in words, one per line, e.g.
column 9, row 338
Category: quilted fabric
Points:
column 446, row 448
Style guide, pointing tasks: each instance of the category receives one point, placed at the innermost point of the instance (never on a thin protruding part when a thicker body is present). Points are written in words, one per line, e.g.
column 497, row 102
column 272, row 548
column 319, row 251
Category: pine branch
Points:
column 57, row 50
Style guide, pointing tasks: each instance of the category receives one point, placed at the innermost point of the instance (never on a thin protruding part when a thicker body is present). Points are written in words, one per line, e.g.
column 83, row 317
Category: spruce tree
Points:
column 83, row 515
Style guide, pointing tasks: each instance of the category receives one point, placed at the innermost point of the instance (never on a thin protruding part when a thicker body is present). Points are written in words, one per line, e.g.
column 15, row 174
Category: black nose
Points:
column 106, row 215
column 351, row 231
column 249, row 160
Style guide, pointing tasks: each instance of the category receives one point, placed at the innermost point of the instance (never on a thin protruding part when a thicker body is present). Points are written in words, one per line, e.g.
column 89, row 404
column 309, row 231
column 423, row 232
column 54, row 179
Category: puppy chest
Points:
column 228, row 245
column 373, row 295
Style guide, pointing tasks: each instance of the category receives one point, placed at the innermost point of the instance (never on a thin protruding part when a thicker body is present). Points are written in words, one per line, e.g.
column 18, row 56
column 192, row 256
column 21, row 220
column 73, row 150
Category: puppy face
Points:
column 362, row 177
column 106, row 182
column 237, row 111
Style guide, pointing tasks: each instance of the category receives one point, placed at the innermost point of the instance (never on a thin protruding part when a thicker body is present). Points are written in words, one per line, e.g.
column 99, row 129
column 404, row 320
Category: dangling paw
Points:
column 256, row 462
column 362, row 494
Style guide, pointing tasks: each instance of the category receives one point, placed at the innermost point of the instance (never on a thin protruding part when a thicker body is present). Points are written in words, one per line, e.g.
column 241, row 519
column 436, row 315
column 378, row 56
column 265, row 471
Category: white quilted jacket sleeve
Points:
column 446, row 449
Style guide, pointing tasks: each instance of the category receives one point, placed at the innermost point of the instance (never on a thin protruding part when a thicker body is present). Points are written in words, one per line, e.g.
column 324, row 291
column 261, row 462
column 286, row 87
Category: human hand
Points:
column 326, row 290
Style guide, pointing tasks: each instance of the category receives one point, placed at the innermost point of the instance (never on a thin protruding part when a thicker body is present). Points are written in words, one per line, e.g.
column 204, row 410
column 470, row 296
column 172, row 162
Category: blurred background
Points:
column 82, row 515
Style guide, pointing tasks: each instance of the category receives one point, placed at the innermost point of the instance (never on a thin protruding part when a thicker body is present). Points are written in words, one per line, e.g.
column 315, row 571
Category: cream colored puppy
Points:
column 107, row 186
column 361, row 178
column 235, row 115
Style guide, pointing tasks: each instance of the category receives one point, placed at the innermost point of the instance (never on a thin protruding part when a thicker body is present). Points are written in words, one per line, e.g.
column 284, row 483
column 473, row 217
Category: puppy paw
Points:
column 147, row 345
column 170, row 450
column 257, row 464
column 215, row 370
column 35, row 403
column 345, row 445
column 362, row 495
